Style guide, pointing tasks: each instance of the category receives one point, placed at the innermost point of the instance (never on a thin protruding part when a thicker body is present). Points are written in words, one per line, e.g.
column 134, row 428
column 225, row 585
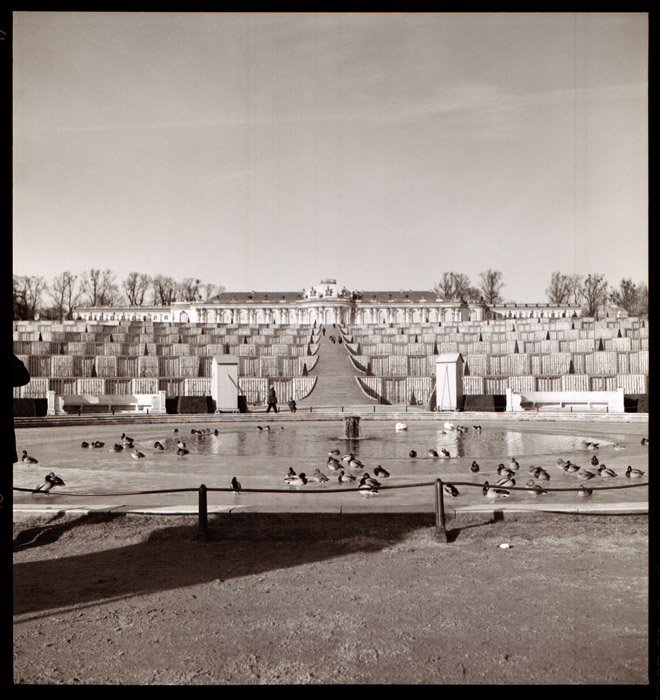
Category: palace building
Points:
column 327, row 303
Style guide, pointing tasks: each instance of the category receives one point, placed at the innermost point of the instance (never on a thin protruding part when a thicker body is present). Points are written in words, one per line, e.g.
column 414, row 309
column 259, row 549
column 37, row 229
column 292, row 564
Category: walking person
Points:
column 272, row 400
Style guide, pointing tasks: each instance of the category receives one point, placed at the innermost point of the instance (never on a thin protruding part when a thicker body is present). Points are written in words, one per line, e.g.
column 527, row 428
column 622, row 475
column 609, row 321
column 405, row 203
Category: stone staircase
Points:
column 336, row 384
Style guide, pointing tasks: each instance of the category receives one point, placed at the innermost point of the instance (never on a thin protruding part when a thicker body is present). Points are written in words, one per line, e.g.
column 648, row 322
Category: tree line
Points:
column 591, row 293
column 34, row 298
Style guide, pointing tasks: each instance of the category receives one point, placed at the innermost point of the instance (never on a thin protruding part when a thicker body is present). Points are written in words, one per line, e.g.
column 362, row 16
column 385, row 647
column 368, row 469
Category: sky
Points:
column 268, row 151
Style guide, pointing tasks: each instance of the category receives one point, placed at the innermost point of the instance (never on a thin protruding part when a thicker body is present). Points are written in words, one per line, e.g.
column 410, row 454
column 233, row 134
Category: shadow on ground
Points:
column 180, row 555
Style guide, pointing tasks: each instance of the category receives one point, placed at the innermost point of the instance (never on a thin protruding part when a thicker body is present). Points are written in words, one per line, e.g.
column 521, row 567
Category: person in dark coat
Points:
column 272, row 400
column 20, row 377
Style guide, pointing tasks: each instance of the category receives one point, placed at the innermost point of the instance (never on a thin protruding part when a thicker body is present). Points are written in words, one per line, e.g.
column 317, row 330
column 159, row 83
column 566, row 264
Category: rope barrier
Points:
column 345, row 489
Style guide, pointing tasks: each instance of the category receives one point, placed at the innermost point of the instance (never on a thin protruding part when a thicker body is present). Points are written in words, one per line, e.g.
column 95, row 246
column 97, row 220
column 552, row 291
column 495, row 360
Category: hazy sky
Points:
column 266, row 151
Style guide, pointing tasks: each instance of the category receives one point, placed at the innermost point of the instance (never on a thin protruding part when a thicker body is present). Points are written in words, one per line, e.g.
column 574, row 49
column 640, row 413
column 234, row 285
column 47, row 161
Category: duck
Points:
column 136, row 454
column 347, row 457
column 449, row 426
column 594, row 460
column 381, row 471
column 259, row 428
column 370, row 481
column 333, row 464
column 235, row 485
column 535, row 489
column 297, row 480
column 334, row 453
column 585, row 475
column 181, row 444
column 175, row 430
column 477, row 428
column 366, row 489
column 116, row 447
column 27, row 459
column 216, row 432
column 494, row 492
column 514, row 464
column 50, row 481
column 84, row 444
column 571, row 468
column 474, row 467
column 97, row 444
column 541, row 474
column 644, row 441
column 634, row 473
column 584, row 492
column 504, row 471
column 319, row 476
column 291, row 472
column 182, row 451
column 433, row 453
column 401, row 426
column 560, row 464
column 345, row 478
column 445, row 453
column 355, row 463
column 506, row 481
column 158, row 445
column 125, row 438
column 450, row 490
column 412, row 454
column 605, row 472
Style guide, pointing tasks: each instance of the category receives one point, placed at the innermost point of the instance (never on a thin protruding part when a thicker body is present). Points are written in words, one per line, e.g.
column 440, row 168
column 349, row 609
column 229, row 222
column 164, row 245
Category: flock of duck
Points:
column 349, row 470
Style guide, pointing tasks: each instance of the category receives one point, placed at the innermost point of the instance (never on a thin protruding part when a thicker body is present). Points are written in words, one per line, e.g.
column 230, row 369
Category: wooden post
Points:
column 440, row 527
column 203, row 513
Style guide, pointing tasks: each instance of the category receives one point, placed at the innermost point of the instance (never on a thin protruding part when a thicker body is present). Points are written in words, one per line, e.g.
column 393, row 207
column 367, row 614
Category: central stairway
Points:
column 336, row 384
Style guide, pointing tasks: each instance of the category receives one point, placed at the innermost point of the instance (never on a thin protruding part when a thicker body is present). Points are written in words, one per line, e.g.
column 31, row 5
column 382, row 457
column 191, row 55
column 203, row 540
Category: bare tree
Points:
column 642, row 306
column 27, row 292
column 164, row 290
column 454, row 285
column 188, row 289
column 594, row 293
column 625, row 296
column 136, row 286
column 575, row 287
column 212, row 290
column 559, row 291
column 100, row 287
column 491, row 286
column 64, row 294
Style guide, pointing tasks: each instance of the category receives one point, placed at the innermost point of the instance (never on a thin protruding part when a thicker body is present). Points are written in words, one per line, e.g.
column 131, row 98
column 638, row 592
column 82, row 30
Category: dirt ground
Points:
column 113, row 599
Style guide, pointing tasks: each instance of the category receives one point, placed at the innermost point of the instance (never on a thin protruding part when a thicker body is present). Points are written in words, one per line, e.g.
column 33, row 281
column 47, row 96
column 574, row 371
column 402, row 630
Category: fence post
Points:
column 203, row 513
column 440, row 527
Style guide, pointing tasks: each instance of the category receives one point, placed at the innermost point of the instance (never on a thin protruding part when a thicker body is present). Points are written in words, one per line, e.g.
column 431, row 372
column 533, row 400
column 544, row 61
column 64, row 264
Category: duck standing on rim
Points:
column 235, row 485
column 297, row 480
column 50, row 481
column 450, row 490
column 494, row 492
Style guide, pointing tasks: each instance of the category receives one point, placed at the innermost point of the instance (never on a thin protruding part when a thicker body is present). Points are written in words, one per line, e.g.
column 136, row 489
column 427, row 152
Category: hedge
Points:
column 24, row 408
